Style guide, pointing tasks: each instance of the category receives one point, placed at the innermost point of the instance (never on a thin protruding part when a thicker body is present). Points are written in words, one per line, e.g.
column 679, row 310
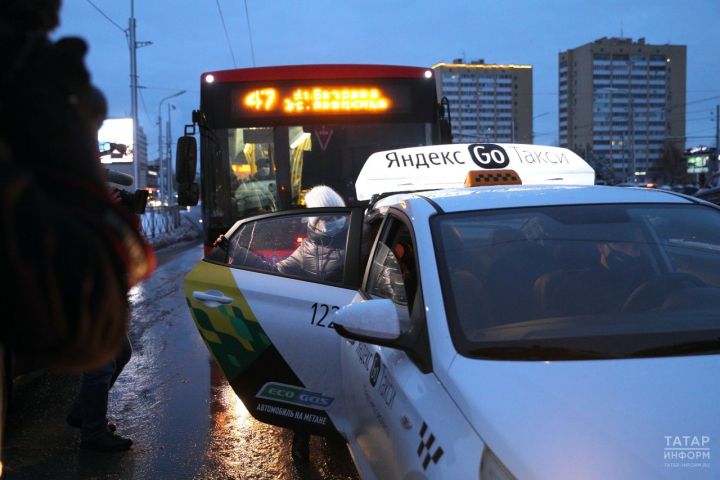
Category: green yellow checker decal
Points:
column 231, row 332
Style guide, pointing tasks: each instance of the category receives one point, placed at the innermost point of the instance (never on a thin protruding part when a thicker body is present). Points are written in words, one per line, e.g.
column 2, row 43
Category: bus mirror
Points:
column 186, row 160
column 188, row 194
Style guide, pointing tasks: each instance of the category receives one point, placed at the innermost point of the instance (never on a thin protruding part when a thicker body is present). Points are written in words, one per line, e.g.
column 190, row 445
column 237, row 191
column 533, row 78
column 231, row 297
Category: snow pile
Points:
column 188, row 229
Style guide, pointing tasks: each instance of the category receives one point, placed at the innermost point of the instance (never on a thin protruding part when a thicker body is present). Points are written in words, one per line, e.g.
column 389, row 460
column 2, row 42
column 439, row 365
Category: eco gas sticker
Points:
column 292, row 414
column 280, row 392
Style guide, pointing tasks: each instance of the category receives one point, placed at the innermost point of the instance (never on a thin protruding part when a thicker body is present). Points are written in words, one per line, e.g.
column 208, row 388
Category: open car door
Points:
column 263, row 303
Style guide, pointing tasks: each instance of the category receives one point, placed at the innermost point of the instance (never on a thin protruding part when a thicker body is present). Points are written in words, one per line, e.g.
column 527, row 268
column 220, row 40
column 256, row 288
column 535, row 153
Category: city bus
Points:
column 269, row 134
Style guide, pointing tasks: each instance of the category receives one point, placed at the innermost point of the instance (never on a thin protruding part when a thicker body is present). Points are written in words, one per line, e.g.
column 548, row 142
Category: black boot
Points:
column 75, row 420
column 301, row 447
column 107, row 442
column 95, row 433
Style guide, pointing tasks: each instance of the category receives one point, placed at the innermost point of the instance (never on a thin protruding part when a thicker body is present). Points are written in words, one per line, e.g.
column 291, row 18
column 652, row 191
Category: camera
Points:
column 134, row 201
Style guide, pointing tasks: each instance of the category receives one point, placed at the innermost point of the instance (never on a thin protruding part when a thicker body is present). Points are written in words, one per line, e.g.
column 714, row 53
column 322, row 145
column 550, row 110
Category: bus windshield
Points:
column 258, row 159
column 269, row 134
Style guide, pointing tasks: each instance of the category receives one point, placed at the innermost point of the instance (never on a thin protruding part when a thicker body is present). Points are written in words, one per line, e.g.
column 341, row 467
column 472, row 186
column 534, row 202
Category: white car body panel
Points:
column 592, row 419
column 405, row 425
column 566, row 419
column 543, row 420
column 480, row 198
column 312, row 363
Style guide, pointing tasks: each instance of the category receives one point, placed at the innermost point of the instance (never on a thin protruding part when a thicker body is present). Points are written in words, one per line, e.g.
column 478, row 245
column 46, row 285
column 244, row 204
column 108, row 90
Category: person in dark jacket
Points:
column 69, row 251
column 254, row 194
column 89, row 411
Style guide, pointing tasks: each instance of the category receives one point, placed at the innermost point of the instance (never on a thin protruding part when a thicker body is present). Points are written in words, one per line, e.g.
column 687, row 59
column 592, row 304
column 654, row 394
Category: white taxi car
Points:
column 532, row 326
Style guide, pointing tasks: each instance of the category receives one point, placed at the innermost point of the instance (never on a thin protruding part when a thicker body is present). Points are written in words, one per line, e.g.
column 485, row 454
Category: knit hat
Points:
column 323, row 196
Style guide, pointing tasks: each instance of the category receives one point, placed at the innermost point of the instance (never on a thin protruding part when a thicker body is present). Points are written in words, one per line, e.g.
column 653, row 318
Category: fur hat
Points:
column 323, row 196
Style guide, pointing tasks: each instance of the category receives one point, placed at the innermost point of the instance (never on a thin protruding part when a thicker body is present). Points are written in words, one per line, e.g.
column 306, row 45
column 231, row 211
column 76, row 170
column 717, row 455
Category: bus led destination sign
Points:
column 317, row 100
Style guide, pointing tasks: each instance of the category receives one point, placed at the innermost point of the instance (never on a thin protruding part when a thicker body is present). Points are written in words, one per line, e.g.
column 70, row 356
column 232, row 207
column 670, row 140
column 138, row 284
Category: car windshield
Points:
column 584, row 281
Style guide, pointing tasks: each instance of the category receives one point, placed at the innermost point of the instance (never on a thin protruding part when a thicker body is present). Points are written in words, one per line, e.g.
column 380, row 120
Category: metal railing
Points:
column 157, row 221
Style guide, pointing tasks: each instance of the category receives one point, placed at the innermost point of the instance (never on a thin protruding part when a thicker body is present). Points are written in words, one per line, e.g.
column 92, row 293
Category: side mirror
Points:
column 372, row 321
column 188, row 194
column 381, row 322
column 186, row 159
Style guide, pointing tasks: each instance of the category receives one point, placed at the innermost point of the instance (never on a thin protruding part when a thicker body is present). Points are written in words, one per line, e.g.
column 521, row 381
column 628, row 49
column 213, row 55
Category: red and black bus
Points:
column 269, row 134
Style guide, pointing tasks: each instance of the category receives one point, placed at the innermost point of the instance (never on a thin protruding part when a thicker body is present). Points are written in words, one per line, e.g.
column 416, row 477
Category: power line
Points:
column 544, row 134
column 252, row 48
column 169, row 89
column 227, row 36
column 693, row 102
column 142, row 99
column 106, row 17
column 704, row 110
column 700, row 119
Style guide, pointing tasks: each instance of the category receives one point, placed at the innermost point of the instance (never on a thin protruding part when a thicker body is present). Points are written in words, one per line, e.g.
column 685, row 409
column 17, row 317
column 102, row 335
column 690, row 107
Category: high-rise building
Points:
column 622, row 106
column 488, row 103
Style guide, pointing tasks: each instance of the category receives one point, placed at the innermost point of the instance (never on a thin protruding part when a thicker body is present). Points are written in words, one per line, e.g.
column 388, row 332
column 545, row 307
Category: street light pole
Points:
column 161, row 179
column 168, row 154
column 133, row 45
column 133, row 94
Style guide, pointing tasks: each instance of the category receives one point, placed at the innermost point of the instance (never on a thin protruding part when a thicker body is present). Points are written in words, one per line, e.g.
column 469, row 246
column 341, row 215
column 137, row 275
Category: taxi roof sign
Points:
column 448, row 166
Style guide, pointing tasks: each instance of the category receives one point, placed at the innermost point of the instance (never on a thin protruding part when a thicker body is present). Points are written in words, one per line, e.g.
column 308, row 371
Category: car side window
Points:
column 311, row 247
column 393, row 273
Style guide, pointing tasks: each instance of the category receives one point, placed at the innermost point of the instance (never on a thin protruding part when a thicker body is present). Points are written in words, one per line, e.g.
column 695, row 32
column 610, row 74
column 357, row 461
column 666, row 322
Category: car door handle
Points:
column 212, row 298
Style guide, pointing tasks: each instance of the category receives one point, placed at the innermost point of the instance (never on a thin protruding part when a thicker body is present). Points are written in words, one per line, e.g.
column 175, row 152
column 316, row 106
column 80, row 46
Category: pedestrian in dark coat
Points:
column 68, row 251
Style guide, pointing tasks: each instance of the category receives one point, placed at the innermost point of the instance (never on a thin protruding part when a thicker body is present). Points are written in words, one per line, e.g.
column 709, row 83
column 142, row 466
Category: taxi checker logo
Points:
column 488, row 155
column 293, row 395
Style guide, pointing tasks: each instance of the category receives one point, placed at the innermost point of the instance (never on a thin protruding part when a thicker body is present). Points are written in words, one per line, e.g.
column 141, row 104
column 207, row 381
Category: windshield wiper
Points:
column 537, row 352
column 684, row 348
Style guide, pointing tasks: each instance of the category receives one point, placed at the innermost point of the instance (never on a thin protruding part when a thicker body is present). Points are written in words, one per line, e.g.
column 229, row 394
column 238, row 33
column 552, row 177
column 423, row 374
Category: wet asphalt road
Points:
column 185, row 421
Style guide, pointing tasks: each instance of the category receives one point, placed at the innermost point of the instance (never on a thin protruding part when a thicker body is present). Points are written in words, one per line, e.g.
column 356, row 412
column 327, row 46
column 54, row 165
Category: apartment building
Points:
column 488, row 103
column 622, row 106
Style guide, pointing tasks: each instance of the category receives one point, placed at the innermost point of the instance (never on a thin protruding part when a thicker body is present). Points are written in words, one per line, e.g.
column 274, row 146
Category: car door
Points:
column 389, row 393
column 266, row 317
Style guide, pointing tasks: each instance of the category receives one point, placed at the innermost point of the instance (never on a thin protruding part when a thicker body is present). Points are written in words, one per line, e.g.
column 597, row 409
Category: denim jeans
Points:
column 92, row 400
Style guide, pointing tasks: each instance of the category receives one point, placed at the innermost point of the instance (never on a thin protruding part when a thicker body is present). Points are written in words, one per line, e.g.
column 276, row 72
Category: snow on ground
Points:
column 188, row 229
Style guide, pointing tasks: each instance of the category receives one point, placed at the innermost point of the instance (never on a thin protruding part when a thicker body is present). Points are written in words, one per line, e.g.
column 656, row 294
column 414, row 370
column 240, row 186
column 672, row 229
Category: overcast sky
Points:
column 188, row 38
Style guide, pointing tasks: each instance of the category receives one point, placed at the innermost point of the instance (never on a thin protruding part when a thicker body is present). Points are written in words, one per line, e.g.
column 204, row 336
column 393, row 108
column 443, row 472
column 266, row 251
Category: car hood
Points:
column 596, row 418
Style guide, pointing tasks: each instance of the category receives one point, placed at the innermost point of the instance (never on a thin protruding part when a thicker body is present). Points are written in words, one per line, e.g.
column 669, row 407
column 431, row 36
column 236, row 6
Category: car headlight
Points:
column 491, row 468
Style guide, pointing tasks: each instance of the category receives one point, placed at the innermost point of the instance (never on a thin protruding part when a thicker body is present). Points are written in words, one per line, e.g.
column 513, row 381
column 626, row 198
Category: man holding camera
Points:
column 69, row 251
